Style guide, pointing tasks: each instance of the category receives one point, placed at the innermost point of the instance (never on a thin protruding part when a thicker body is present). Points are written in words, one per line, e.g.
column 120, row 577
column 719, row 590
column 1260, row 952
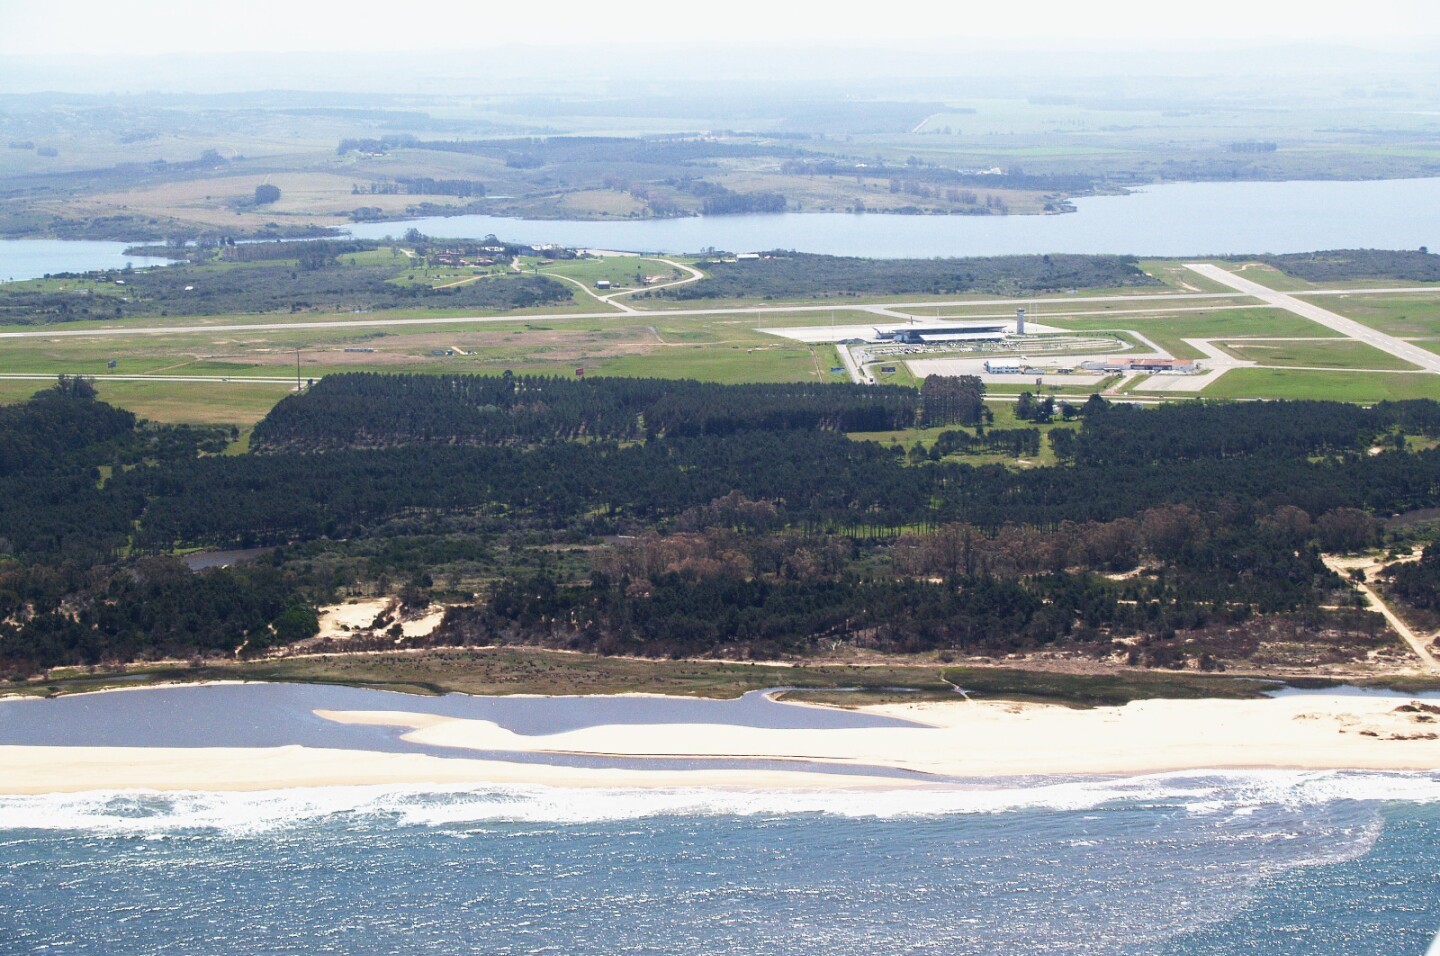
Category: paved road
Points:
column 1414, row 354
column 856, row 372
column 585, row 288
column 694, row 276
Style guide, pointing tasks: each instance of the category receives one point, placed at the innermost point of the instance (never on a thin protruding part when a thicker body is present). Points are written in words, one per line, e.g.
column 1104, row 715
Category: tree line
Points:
column 315, row 281
column 780, row 274
column 1340, row 265
column 373, row 410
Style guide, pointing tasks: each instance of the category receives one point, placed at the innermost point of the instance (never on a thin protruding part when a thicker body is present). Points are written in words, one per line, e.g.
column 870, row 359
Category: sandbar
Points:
column 953, row 743
column 998, row 738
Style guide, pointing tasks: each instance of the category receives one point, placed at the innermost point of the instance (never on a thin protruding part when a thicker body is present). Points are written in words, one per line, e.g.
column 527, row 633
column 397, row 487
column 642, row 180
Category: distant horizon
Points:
column 95, row 28
column 637, row 68
column 269, row 45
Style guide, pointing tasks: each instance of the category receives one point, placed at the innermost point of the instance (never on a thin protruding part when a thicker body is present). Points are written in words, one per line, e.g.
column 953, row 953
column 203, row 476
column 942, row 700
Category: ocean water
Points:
column 1176, row 864
column 1258, row 862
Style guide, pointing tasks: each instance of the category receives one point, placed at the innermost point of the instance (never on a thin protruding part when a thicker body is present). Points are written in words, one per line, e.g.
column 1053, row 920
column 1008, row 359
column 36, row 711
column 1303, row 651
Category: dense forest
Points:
column 1339, row 265
column 371, row 410
column 731, row 203
column 779, row 275
column 738, row 521
column 1418, row 582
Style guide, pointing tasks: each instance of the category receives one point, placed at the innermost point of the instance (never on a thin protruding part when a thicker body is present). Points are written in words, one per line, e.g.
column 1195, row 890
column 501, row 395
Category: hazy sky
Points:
column 186, row 26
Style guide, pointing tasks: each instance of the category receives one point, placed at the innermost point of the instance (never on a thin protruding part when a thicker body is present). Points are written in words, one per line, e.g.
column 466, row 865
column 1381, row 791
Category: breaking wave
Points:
column 1228, row 794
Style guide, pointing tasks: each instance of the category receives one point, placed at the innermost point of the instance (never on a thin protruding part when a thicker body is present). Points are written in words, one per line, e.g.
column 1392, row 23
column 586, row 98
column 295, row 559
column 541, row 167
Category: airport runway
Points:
column 1414, row 354
column 887, row 311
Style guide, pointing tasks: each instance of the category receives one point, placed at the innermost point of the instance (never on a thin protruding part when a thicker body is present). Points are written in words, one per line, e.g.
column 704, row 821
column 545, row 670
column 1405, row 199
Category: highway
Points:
column 1414, row 354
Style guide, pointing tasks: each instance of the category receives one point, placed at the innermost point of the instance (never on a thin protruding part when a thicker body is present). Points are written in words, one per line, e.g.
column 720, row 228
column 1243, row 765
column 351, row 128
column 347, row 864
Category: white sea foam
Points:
column 1226, row 795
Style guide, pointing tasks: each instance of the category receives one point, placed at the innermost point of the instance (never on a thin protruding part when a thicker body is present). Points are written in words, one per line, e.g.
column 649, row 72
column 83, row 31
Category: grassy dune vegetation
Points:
column 536, row 671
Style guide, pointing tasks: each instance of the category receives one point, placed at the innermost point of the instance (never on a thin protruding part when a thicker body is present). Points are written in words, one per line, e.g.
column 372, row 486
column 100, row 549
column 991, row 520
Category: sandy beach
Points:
column 995, row 738
column 957, row 740
column 37, row 770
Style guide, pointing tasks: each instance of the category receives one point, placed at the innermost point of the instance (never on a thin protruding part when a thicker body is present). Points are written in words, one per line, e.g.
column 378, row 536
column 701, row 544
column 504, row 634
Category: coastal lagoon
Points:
column 1175, row 219
column 33, row 258
column 1264, row 862
column 278, row 715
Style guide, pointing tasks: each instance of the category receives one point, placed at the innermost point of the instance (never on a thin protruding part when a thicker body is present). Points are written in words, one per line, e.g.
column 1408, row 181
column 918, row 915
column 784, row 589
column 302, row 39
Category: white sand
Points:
column 32, row 770
column 342, row 621
column 422, row 626
column 339, row 620
column 993, row 738
column 979, row 739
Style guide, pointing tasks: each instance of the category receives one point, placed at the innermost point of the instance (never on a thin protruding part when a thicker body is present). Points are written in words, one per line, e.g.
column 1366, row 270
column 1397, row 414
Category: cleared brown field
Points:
column 306, row 198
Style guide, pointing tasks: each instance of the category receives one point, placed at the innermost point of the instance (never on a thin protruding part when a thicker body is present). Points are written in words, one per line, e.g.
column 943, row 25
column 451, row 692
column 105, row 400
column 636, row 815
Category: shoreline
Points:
column 950, row 744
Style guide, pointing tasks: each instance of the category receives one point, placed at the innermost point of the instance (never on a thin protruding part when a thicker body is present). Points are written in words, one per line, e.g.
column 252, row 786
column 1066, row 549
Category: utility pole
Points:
column 297, row 370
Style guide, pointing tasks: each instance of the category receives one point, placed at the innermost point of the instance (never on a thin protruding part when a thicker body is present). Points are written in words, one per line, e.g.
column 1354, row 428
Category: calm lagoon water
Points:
column 33, row 258
column 1265, row 863
column 1178, row 219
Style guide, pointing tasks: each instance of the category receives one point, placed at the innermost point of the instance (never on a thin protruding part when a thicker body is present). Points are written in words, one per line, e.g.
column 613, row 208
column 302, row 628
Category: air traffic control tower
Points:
column 1019, row 321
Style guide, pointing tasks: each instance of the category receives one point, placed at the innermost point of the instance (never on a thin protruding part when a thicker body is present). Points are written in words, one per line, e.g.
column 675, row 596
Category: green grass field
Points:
column 1266, row 275
column 1179, row 278
column 1320, row 353
column 710, row 348
column 1004, row 413
column 230, row 404
column 620, row 270
column 727, row 365
column 1335, row 386
column 1170, row 331
column 1407, row 316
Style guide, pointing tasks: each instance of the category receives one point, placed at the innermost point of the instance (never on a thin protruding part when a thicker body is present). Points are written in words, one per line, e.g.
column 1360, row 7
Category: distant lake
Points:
column 1177, row 219
column 33, row 258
